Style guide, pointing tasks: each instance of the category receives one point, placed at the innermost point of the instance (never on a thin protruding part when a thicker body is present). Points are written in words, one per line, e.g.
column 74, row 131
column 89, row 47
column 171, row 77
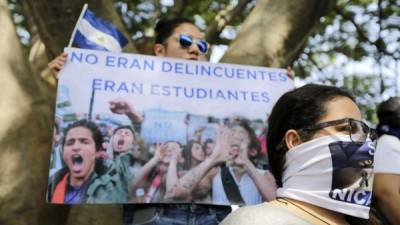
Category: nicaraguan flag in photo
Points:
column 95, row 33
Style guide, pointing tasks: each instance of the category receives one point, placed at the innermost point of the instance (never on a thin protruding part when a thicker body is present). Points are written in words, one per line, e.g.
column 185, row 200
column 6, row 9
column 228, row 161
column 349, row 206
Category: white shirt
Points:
column 263, row 214
column 387, row 155
column 246, row 186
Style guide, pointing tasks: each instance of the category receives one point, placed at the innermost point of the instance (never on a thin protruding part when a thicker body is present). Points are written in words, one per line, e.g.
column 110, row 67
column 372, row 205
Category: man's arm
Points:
column 121, row 106
column 290, row 72
column 57, row 64
column 265, row 182
column 146, row 169
column 172, row 176
column 186, row 184
column 386, row 190
column 172, row 179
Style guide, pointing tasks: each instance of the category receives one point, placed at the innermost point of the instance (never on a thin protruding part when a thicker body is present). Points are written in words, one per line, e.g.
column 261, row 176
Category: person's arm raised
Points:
column 172, row 176
column 121, row 106
column 188, row 182
column 265, row 182
column 146, row 169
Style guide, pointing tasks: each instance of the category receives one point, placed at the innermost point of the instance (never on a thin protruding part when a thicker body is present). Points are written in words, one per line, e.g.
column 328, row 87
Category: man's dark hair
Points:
column 389, row 112
column 165, row 27
column 208, row 141
column 96, row 134
column 124, row 127
column 299, row 108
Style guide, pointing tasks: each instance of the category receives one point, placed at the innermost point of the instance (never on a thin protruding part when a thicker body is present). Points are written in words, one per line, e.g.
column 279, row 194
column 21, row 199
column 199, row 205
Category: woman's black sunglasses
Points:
column 356, row 129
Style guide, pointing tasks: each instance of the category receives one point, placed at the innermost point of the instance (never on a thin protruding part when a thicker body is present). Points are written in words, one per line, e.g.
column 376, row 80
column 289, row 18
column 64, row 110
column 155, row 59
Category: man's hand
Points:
column 175, row 152
column 160, row 152
column 243, row 156
column 121, row 106
column 221, row 150
column 57, row 64
column 290, row 72
column 102, row 155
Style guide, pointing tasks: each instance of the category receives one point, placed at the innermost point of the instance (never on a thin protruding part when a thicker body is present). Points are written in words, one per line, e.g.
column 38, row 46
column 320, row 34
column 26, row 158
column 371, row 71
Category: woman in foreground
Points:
column 321, row 155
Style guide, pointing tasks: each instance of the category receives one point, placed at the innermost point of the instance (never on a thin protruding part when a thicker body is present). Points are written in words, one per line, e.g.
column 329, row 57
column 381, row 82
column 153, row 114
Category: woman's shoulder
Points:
column 387, row 146
column 387, row 155
column 263, row 214
column 388, row 140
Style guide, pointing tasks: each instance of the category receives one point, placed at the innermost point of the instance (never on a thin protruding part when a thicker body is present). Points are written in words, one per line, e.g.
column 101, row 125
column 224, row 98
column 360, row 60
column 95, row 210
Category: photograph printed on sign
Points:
column 352, row 175
column 153, row 135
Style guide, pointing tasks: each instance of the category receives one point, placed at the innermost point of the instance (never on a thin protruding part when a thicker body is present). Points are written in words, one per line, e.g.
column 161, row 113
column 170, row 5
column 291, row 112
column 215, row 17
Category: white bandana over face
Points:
column 331, row 172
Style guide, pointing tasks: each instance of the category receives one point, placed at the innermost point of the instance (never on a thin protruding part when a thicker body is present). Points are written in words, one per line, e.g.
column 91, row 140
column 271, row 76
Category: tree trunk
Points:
column 276, row 32
column 25, row 141
column 25, row 131
column 56, row 20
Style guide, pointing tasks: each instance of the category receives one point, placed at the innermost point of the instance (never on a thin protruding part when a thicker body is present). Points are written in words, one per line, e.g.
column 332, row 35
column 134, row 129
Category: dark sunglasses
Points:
column 186, row 41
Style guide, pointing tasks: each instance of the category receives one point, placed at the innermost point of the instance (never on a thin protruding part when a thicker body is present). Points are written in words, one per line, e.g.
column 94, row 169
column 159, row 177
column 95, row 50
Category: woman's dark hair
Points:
column 165, row 27
column 187, row 154
column 124, row 127
column 296, row 109
column 389, row 112
column 208, row 141
column 57, row 128
column 96, row 134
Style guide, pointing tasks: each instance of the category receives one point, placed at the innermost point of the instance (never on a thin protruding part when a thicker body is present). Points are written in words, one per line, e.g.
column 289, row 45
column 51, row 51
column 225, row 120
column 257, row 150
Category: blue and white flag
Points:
column 95, row 33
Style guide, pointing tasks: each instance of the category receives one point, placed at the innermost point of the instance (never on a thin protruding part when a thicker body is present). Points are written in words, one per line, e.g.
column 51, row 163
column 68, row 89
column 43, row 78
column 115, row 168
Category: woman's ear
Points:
column 292, row 139
column 159, row 50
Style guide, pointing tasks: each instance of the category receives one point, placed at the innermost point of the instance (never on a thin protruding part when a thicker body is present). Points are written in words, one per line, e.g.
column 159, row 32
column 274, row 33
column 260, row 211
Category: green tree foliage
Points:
column 357, row 33
column 21, row 23
column 357, row 46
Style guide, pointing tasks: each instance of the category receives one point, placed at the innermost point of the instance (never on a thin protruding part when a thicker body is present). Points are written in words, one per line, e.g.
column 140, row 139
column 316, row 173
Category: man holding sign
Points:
column 218, row 91
column 180, row 38
column 177, row 38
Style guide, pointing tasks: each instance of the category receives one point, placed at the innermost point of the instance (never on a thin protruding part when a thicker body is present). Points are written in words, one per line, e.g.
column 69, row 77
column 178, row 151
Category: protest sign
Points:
column 168, row 109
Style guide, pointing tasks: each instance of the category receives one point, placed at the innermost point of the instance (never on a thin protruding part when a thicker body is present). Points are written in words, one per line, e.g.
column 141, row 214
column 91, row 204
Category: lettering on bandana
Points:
column 352, row 175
